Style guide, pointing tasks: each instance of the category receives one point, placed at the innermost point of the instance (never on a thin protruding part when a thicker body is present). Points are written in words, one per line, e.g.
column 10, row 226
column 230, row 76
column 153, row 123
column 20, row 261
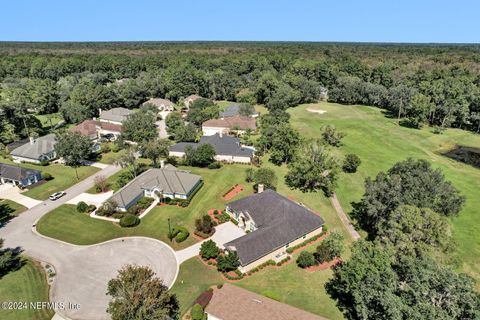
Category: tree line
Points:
column 436, row 85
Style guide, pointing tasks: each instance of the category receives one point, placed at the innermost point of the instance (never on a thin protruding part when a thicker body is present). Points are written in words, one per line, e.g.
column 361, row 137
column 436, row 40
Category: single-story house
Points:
column 166, row 182
column 236, row 124
column 233, row 111
column 274, row 224
column 18, row 176
column 161, row 104
column 227, row 148
column 115, row 115
column 190, row 99
column 234, row 303
column 36, row 150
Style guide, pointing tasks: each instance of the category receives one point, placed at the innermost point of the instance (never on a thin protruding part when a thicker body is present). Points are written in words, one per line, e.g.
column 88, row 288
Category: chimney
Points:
column 99, row 111
column 261, row 187
column 221, row 133
column 162, row 163
column 32, row 140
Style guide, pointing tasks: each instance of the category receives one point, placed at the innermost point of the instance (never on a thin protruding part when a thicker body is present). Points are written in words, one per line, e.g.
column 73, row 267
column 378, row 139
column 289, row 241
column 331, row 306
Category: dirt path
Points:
column 343, row 217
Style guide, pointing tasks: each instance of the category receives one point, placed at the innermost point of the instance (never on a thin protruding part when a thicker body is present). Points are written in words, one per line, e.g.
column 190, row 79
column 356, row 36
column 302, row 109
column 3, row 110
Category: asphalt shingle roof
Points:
column 231, row 111
column 225, row 146
column 115, row 114
column 279, row 221
column 168, row 179
column 158, row 102
column 10, row 172
column 40, row 146
column 239, row 122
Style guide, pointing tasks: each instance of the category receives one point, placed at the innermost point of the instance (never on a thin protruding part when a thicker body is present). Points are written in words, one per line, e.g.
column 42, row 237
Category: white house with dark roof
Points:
column 227, row 148
column 166, row 182
column 36, row 150
column 18, row 176
column 274, row 223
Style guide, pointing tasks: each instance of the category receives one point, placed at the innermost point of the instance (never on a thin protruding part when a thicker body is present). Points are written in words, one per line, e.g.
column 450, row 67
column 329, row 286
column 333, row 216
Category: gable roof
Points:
column 234, row 303
column 192, row 97
column 232, row 122
column 158, row 102
column 225, row 146
column 86, row 128
column 16, row 173
column 232, row 111
column 167, row 179
column 35, row 150
column 279, row 221
column 115, row 114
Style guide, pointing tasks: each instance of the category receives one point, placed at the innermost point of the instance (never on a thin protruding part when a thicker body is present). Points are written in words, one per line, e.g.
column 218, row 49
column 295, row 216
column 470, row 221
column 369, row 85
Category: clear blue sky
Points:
column 290, row 20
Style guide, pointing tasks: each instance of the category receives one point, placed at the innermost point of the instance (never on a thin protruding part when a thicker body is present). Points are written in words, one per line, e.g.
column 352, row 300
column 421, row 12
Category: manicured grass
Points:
column 380, row 143
column 63, row 178
column 111, row 157
column 49, row 120
column 194, row 278
column 28, row 284
column 289, row 283
column 66, row 224
column 11, row 207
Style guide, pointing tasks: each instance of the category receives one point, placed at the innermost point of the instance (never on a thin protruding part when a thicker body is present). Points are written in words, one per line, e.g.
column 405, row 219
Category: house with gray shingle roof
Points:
column 233, row 111
column 115, row 115
column 18, row 176
column 227, row 148
column 36, row 150
column 274, row 223
column 166, row 182
column 161, row 104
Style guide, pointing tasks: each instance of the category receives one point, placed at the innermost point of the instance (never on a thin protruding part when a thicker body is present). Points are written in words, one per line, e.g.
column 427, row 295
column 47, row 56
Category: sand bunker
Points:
column 320, row 111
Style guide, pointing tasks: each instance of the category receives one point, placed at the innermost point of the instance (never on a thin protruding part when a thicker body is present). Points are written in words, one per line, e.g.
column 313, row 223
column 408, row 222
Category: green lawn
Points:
column 64, row 223
column 28, row 284
column 49, row 120
column 11, row 207
column 380, row 143
column 194, row 278
column 63, row 178
column 111, row 157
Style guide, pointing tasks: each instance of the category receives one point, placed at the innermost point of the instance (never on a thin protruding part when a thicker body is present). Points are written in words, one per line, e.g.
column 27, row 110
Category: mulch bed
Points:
column 211, row 214
column 233, row 192
column 323, row 266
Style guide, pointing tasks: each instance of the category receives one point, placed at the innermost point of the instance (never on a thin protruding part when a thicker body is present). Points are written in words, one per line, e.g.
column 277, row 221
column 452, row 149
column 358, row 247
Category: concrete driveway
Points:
column 88, row 198
column 8, row 191
column 224, row 233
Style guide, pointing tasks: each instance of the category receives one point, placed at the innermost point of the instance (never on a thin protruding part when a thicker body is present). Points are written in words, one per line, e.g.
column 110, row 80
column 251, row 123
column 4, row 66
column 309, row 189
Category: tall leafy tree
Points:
column 138, row 294
column 154, row 150
column 74, row 149
column 139, row 127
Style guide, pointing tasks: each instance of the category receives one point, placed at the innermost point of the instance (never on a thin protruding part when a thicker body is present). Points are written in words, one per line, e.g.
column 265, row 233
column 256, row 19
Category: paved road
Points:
column 83, row 271
column 343, row 217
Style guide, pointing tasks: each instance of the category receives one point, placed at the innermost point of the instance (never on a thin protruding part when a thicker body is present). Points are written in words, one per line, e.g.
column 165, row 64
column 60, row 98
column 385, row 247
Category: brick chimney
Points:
column 32, row 140
column 261, row 187
column 162, row 163
column 221, row 133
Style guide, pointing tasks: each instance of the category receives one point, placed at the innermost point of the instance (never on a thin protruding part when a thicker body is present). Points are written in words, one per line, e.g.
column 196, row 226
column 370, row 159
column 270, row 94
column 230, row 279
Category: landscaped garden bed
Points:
column 236, row 189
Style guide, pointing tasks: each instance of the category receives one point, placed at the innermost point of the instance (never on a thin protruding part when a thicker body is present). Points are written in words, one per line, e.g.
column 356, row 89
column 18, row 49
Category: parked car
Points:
column 57, row 195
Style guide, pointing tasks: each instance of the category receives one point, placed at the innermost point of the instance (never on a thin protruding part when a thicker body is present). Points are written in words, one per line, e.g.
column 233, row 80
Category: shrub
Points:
column 332, row 136
column 330, row 248
column 101, row 184
column 115, row 147
column 197, row 312
column 91, row 208
column 180, row 233
column 214, row 165
column 184, row 204
column 144, row 202
column 117, row 215
column 351, row 163
column 133, row 210
column 82, row 207
column 228, row 262
column 204, row 225
column 220, row 286
column 306, row 259
column 224, row 217
column 209, row 250
column 105, row 148
column 44, row 163
column 47, row 176
column 129, row 220
column 167, row 200
column 172, row 160
column 306, row 242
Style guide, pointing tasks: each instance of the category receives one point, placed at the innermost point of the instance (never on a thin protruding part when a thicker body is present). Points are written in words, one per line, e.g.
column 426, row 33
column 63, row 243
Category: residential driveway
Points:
column 8, row 191
column 162, row 129
column 224, row 233
column 95, row 199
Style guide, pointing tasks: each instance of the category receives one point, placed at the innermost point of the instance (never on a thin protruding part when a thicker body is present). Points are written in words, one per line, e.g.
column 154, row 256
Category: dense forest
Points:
column 437, row 85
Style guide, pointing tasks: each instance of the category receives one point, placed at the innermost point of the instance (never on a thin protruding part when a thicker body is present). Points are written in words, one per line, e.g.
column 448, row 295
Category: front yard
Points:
column 63, row 178
column 28, row 284
column 9, row 207
column 66, row 224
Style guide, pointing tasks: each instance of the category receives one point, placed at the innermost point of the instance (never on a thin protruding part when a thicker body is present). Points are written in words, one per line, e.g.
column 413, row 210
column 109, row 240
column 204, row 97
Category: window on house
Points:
column 304, row 236
column 288, row 245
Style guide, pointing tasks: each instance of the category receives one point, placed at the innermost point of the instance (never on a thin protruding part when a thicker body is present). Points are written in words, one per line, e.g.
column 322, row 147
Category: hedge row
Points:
column 307, row 242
